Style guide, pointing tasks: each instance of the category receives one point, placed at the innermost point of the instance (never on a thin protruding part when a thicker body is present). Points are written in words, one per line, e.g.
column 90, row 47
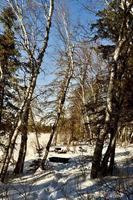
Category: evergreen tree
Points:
column 115, row 24
column 8, row 64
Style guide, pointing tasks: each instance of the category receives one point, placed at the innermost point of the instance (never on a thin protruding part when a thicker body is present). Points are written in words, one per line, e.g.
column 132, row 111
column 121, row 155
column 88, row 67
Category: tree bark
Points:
column 2, row 93
column 49, row 144
column 38, row 147
column 36, row 64
column 14, row 135
column 23, row 147
column 111, row 107
column 109, row 154
column 112, row 158
column 61, row 102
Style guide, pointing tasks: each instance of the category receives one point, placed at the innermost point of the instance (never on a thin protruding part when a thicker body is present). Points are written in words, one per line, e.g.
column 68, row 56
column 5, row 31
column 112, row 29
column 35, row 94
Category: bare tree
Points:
column 63, row 26
column 87, row 75
column 34, row 64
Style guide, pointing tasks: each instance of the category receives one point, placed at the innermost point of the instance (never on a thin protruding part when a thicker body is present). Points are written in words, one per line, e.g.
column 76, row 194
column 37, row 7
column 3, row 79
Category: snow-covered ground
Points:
column 72, row 180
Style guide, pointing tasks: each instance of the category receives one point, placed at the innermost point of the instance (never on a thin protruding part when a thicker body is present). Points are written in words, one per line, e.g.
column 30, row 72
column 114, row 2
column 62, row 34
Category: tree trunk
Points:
column 1, row 103
column 112, row 159
column 111, row 108
column 38, row 147
column 108, row 155
column 23, row 147
column 61, row 102
column 110, row 152
column 88, row 133
column 96, row 163
column 22, row 153
column 14, row 135
column 115, row 93
column 2, row 93
column 59, row 112
column 49, row 144
column 35, row 65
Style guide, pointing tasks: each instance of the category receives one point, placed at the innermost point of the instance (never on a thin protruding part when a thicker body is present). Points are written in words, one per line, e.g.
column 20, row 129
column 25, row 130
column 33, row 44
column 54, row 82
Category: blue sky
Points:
column 77, row 13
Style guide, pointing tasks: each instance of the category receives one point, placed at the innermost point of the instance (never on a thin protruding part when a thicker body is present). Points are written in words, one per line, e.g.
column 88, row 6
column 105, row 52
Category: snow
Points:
column 72, row 180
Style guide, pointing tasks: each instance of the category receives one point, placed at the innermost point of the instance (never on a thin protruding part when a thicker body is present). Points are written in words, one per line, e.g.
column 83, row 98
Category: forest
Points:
column 66, row 92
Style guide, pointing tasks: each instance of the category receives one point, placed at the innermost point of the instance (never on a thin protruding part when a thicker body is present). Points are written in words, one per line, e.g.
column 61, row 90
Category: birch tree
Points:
column 35, row 59
column 86, row 75
column 63, row 26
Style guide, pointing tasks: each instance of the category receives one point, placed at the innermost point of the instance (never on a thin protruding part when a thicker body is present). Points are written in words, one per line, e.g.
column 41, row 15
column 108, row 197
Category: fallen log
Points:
column 59, row 159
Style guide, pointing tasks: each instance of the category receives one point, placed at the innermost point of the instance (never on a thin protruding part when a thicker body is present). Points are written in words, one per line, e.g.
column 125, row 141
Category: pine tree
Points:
column 8, row 64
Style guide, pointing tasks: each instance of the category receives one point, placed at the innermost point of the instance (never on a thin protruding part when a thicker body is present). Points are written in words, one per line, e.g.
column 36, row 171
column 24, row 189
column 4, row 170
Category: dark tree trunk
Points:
column 96, row 163
column 22, row 153
column 108, row 155
column 6, row 162
column 108, row 159
column 23, row 147
column 2, row 93
column 112, row 159
column 48, row 145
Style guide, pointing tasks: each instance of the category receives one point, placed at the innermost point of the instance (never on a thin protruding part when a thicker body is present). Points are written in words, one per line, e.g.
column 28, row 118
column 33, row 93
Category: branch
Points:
column 18, row 12
column 1, row 73
column 46, row 37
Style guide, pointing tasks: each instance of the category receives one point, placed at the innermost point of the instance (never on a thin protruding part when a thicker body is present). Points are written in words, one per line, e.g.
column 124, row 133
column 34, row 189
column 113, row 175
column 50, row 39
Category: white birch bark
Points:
column 28, row 97
column 1, row 73
column 69, row 75
column 65, row 86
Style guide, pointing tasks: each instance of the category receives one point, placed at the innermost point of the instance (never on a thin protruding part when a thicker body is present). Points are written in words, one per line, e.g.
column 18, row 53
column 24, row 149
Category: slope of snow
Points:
column 72, row 180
